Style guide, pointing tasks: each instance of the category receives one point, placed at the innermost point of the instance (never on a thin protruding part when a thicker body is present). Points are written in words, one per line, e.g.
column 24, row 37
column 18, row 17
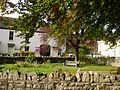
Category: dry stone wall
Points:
column 58, row 81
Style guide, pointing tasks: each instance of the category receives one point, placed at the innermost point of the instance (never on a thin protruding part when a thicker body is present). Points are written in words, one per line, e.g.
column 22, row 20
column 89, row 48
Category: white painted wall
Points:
column 54, row 52
column 4, row 39
column 34, row 42
column 105, row 50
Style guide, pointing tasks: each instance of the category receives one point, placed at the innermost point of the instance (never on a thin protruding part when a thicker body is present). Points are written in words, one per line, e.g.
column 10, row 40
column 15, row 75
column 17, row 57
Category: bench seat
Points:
column 69, row 63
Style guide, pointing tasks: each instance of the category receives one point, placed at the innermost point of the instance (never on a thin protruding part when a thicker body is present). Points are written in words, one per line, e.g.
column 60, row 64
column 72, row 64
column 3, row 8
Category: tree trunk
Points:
column 77, row 50
column 77, row 56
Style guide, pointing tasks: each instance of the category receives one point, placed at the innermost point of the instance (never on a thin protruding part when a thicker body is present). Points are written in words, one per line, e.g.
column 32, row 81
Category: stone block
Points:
column 86, row 77
column 29, row 89
column 5, row 75
column 118, row 78
column 68, row 76
column 1, row 75
column 29, row 85
column 42, row 89
column 10, row 83
column 51, row 86
column 113, row 78
column 94, row 84
column 59, row 88
column 73, row 79
column 10, row 88
column 107, row 88
column 102, row 79
column 91, row 75
column 51, row 77
column 22, row 76
column 66, row 88
column 19, row 89
column 3, row 83
column 39, row 85
column 16, row 76
column 64, row 84
column 116, row 84
column 107, row 79
column 72, row 84
column 114, row 87
column 78, row 88
column 79, row 75
column 3, row 87
column 62, row 77
column 80, row 84
column 102, row 86
column 10, row 76
column 20, row 84
column 96, row 77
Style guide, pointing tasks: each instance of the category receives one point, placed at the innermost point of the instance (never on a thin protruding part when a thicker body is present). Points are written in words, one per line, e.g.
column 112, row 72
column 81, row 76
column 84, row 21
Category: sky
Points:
column 14, row 15
column 14, row 1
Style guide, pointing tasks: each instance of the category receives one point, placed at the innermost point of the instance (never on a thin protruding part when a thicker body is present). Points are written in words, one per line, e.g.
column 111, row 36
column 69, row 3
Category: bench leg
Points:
column 64, row 63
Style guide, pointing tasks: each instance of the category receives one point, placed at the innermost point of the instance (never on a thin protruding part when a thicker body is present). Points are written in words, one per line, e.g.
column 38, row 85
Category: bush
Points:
column 4, row 54
column 30, row 59
column 24, row 53
column 97, row 60
column 85, row 59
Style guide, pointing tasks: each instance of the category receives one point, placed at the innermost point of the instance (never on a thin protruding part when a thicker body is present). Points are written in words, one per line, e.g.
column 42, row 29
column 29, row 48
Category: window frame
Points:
column 11, row 34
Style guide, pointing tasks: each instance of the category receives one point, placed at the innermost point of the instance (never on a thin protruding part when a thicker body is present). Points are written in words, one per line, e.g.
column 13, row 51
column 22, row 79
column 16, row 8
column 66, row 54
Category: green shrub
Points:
column 30, row 59
column 97, row 60
column 24, row 53
column 4, row 54
column 85, row 59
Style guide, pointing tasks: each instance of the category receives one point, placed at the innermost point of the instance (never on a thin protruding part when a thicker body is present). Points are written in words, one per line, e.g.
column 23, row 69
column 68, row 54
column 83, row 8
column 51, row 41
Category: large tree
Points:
column 74, row 20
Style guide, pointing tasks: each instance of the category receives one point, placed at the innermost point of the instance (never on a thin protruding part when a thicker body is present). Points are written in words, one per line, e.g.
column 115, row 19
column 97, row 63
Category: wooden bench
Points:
column 69, row 63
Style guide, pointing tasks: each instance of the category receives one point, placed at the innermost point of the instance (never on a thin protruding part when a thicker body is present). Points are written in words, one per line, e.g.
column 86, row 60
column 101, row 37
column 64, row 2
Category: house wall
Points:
column 105, row 50
column 54, row 52
column 34, row 42
column 4, row 39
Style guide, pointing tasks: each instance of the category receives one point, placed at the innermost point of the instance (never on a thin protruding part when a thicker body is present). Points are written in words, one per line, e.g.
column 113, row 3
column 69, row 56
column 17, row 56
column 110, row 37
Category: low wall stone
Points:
column 58, row 81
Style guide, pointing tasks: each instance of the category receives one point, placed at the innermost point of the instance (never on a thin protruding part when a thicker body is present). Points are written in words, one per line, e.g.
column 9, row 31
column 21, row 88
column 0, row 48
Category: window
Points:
column 11, row 35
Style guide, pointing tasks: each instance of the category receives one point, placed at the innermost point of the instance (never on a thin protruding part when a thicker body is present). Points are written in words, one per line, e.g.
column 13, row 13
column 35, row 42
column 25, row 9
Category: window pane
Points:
column 11, row 35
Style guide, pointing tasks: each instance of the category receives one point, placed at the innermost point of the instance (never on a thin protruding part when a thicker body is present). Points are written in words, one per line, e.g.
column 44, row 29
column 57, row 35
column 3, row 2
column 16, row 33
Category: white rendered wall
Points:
column 34, row 42
column 4, row 39
column 105, row 50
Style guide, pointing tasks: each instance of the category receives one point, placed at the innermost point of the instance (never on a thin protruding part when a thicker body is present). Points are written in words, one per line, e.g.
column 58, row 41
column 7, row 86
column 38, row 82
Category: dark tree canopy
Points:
column 89, row 16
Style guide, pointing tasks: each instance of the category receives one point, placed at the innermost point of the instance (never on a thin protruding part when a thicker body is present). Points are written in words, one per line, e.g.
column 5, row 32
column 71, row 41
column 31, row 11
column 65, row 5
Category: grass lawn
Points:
column 51, row 67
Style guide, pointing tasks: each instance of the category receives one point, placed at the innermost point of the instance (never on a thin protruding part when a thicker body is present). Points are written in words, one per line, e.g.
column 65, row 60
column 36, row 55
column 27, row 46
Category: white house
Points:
column 9, row 43
column 107, row 51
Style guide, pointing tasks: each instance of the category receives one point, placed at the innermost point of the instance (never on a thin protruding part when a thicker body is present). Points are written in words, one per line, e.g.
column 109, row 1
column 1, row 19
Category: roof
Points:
column 45, row 29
